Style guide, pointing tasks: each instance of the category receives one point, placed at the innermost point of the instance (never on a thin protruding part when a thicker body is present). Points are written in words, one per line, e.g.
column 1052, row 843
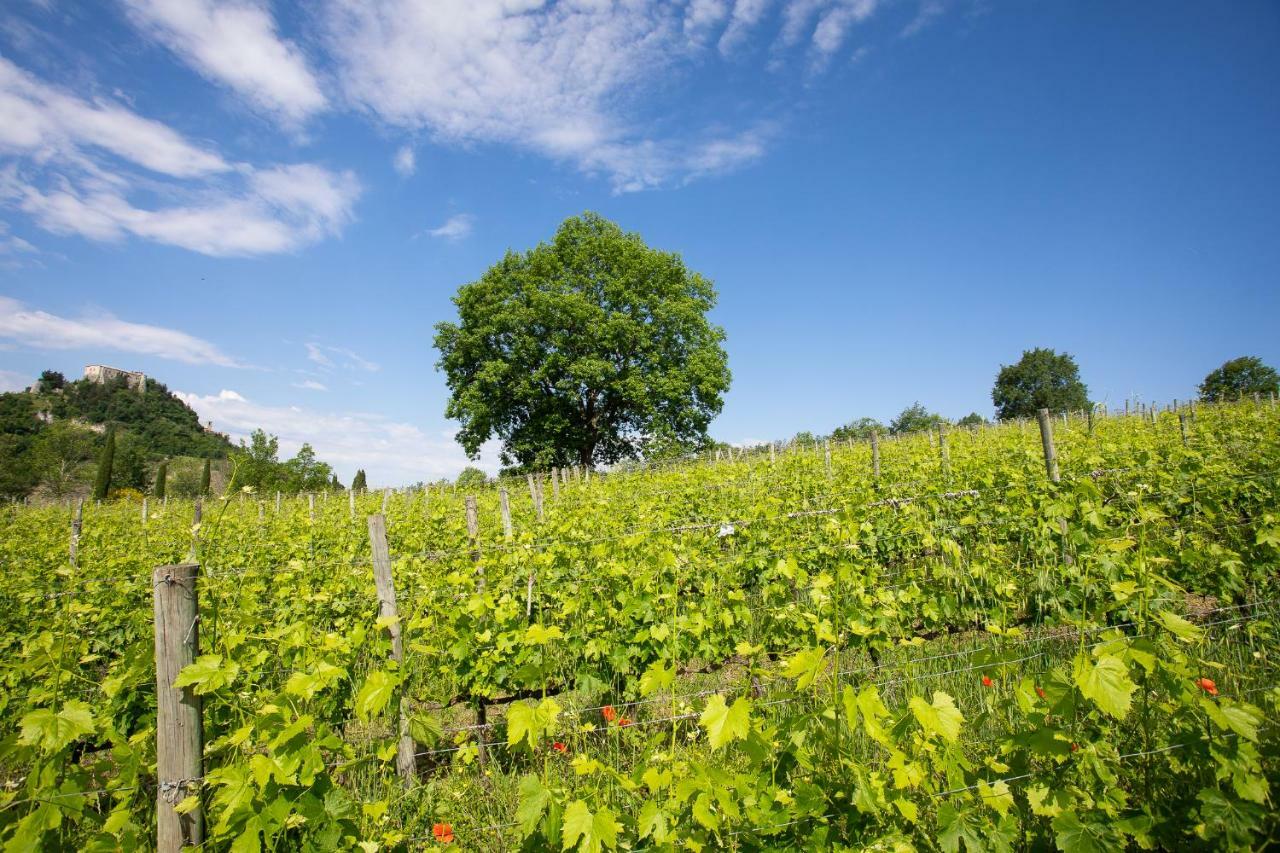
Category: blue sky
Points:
column 267, row 205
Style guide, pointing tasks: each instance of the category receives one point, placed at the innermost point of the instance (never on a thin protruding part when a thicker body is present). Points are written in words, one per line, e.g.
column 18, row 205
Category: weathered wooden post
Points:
column 406, row 764
column 351, row 503
column 77, row 524
column 875, row 454
column 179, row 732
column 826, row 457
column 1046, row 438
column 942, row 450
column 555, row 482
column 504, row 504
column 1182, row 427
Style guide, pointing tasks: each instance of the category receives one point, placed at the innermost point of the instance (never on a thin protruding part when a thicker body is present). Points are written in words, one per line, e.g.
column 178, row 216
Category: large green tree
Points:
column 1042, row 379
column 59, row 456
column 858, row 430
column 106, row 459
column 1239, row 377
column 915, row 418
column 585, row 350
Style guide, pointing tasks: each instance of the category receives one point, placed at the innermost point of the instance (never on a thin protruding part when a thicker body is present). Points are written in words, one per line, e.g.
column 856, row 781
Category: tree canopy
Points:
column 858, row 430
column 1041, row 379
column 1239, row 377
column 915, row 418
column 585, row 350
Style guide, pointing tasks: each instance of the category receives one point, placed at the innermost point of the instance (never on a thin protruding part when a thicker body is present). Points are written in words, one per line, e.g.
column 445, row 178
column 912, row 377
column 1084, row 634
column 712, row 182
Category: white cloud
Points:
column 835, row 23
column 405, row 162
column 352, row 360
column 392, row 452
column 11, row 381
column 311, row 385
column 568, row 80
column 746, row 14
column 456, row 227
column 69, row 183
column 235, row 44
column 42, row 330
column 279, row 210
column 930, row 11
column 44, row 122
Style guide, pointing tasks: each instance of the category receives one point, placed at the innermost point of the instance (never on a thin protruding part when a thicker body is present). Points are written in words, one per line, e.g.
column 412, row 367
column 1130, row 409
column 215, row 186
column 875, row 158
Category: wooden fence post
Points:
column 196, row 519
column 144, row 510
column 1182, row 427
column 311, row 507
column 943, row 454
column 406, row 764
column 875, row 454
column 179, row 735
column 535, row 495
column 77, row 524
column 772, row 455
column 351, row 503
column 277, row 501
column 1046, row 438
column 504, row 504
column 826, row 457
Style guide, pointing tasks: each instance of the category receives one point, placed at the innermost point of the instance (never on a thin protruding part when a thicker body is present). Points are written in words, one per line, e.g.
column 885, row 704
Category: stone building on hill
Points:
column 101, row 374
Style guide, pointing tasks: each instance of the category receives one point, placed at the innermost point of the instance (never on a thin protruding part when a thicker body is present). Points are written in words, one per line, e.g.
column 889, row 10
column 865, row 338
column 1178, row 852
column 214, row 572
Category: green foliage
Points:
column 1239, row 377
column 713, row 656
column 471, row 478
column 858, row 430
column 51, row 380
column 971, row 420
column 584, row 350
column 59, row 457
column 1042, row 379
column 360, row 482
column 204, row 477
column 915, row 418
column 106, row 459
column 161, row 480
column 257, row 466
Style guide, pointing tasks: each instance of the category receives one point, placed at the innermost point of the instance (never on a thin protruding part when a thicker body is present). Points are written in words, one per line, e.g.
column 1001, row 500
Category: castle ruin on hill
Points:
column 101, row 374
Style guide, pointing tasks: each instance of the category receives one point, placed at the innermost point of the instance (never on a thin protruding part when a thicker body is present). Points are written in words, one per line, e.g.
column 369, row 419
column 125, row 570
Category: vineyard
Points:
column 940, row 642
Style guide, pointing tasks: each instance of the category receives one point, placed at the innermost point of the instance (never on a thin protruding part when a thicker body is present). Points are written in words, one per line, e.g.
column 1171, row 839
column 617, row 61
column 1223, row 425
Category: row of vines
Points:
column 759, row 653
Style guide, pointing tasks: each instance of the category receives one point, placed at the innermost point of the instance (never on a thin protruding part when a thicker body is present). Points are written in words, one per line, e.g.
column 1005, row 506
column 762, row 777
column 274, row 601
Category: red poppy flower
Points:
column 1040, row 692
column 443, row 832
column 1075, row 747
column 559, row 747
column 986, row 681
column 608, row 713
column 1207, row 685
column 624, row 721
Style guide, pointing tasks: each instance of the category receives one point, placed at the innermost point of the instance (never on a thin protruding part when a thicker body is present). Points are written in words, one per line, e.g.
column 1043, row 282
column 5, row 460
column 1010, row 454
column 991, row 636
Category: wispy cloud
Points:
column 321, row 354
column 68, row 182
column 235, row 43
column 11, row 381
column 456, row 227
column 405, row 161
column 930, row 11
column 392, row 452
column 42, row 330
column 311, row 385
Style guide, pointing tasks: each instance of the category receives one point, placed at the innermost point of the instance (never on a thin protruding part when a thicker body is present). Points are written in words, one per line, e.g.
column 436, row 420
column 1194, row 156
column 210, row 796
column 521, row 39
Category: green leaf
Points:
column 537, row 635
column 955, row 827
column 806, row 666
column 586, row 832
column 723, row 723
column 53, row 731
column 657, row 677
column 1074, row 836
column 942, row 717
column 529, row 722
column 873, row 712
column 1241, row 719
column 207, row 674
column 377, row 692
column 1106, row 682
column 1179, row 627
column 997, row 796
column 652, row 822
column 533, row 802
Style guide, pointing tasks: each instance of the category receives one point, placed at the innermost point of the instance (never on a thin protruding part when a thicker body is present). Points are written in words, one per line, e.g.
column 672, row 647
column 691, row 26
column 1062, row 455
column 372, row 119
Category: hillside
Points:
column 57, row 425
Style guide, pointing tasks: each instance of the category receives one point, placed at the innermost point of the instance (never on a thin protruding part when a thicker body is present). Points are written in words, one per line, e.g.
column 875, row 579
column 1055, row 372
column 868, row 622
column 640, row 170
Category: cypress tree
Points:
column 162, row 473
column 102, row 483
column 204, row 479
column 360, row 483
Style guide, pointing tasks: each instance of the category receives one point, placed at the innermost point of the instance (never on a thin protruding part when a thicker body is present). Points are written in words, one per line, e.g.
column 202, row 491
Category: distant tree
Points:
column 471, row 477
column 971, row 419
column 257, row 464
column 360, row 483
column 804, row 438
column 205, row 476
column 60, row 455
column 1042, row 379
column 915, row 418
column 1239, row 377
column 858, row 430
column 305, row 473
column 106, row 459
column 162, row 475
column 16, row 475
column 129, row 470
column 582, row 349
column 334, row 484
column 51, row 380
